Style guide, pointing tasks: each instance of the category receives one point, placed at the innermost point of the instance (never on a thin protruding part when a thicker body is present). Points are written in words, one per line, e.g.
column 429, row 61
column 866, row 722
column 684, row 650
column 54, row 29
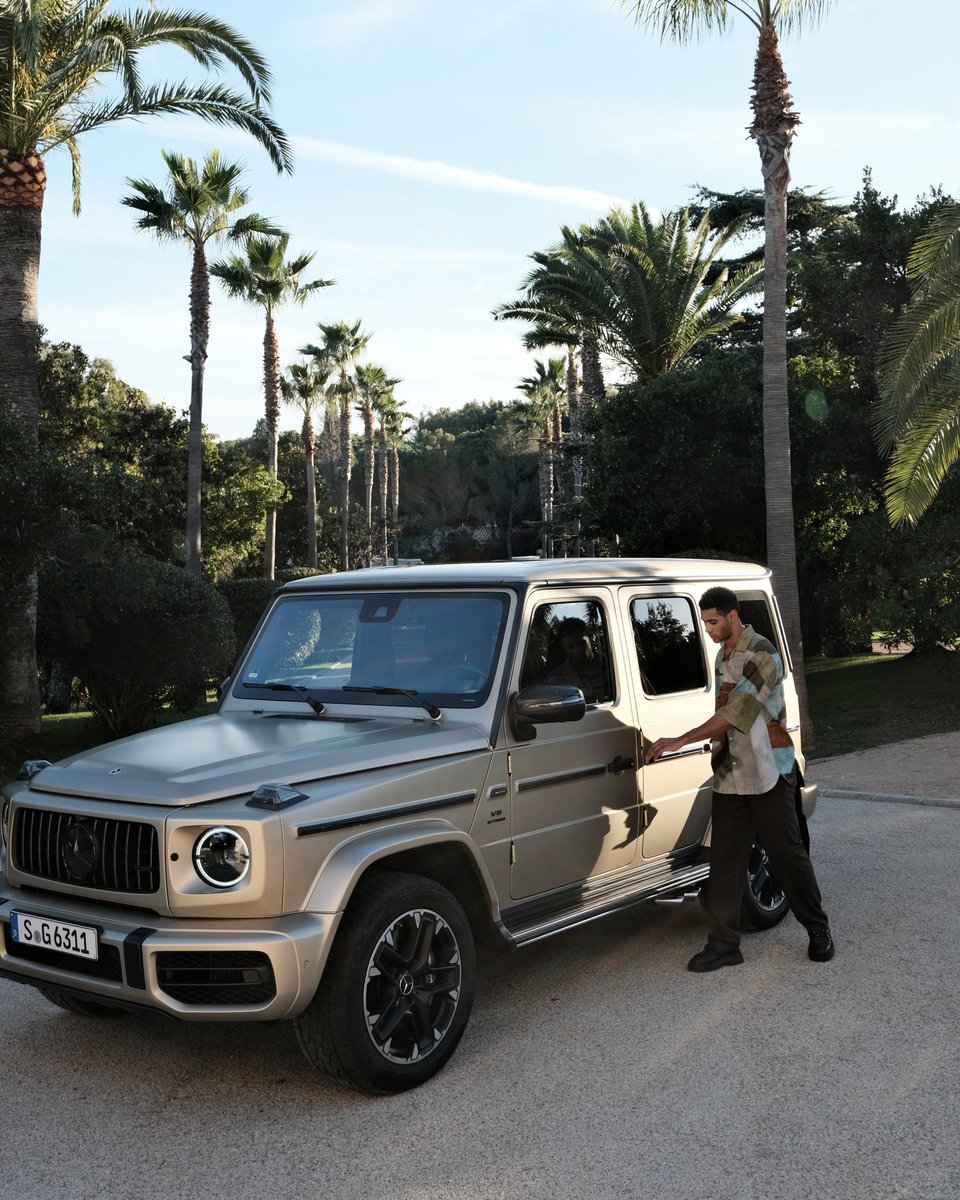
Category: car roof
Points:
column 520, row 572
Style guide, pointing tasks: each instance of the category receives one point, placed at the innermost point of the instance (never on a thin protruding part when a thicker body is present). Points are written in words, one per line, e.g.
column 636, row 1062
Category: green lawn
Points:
column 855, row 703
column 872, row 699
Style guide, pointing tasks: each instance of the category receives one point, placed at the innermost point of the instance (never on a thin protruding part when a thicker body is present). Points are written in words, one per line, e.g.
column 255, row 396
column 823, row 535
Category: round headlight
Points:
column 4, row 822
column 221, row 857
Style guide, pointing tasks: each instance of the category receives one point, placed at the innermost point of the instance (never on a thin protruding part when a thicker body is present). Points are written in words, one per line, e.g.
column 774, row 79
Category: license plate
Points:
column 29, row 930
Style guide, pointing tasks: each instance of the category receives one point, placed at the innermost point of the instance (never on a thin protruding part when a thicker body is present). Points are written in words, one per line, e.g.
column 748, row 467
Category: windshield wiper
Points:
column 380, row 690
column 275, row 686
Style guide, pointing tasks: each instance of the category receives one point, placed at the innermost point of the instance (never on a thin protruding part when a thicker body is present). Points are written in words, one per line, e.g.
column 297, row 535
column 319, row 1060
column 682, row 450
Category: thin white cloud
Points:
column 425, row 170
column 354, row 22
column 446, row 175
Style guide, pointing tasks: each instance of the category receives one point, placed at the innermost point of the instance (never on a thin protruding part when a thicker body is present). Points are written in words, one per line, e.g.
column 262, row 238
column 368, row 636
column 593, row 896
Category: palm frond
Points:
column 56, row 55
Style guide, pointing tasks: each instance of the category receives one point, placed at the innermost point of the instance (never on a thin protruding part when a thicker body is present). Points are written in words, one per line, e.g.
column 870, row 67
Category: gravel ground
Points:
column 595, row 1067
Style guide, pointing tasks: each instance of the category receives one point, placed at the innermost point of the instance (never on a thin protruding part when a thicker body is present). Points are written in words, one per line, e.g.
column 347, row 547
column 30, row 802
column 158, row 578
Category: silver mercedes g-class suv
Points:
column 402, row 759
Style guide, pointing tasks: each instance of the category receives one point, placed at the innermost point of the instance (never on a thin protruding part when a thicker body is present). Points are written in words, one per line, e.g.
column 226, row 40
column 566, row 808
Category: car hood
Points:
column 214, row 757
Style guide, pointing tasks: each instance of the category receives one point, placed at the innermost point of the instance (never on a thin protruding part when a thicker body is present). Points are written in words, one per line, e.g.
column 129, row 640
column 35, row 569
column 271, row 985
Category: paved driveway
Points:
column 594, row 1067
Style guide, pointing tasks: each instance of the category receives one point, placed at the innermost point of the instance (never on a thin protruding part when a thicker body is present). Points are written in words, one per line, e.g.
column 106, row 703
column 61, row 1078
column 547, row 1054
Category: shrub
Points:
column 246, row 599
column 138, row 634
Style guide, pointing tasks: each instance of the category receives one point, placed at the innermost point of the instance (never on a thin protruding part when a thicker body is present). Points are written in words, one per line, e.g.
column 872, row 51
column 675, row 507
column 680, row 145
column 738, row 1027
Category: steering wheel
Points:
column 461, row 678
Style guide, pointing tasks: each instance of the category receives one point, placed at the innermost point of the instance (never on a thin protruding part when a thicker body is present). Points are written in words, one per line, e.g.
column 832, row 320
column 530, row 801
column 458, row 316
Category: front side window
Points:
column 442, row 646
column 568, row 643
column 666, row 634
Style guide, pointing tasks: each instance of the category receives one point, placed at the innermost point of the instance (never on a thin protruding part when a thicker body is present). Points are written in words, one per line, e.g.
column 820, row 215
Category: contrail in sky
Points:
column 431, row 171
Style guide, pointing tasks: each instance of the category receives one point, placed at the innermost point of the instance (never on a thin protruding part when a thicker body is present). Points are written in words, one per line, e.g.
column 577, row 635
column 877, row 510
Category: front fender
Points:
column 353, row 857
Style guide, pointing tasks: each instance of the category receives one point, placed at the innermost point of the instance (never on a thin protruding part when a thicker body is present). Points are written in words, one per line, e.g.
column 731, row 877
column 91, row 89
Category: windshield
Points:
column 442, row 645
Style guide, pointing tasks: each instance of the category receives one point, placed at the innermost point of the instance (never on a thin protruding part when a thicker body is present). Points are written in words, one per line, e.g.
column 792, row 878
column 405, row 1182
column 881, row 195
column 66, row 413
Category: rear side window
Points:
column 666, row 635
column 754, row 610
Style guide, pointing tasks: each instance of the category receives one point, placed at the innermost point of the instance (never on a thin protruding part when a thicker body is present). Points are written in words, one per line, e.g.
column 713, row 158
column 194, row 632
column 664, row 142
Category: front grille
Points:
column 107, row 966
column 220, row 977
column 93, row 852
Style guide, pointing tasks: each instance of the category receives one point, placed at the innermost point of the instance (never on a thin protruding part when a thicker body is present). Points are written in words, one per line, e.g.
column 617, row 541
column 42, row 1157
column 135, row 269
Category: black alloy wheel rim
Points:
column 412, row 986
column 767, row 893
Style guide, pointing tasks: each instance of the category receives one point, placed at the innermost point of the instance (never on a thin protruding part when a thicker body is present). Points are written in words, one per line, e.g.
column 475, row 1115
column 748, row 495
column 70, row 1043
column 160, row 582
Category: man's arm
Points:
column 713, row 729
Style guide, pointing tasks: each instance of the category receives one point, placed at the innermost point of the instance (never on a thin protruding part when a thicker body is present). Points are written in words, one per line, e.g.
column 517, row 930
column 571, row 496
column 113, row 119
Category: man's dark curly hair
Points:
column 720, row 598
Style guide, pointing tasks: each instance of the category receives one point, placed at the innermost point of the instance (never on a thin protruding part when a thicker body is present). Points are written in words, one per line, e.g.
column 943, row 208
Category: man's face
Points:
column 716, row 624
column 577, row 647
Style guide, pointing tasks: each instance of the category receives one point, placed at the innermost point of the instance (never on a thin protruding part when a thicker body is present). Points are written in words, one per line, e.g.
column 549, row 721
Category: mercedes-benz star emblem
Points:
column 79, row 851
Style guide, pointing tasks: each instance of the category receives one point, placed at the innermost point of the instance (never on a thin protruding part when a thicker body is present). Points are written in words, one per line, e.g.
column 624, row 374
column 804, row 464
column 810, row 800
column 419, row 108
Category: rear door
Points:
column 672, row 672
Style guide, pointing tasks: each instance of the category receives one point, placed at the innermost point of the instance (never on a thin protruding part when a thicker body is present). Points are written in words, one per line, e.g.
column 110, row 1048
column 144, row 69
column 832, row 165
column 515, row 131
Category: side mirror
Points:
column 544, row 704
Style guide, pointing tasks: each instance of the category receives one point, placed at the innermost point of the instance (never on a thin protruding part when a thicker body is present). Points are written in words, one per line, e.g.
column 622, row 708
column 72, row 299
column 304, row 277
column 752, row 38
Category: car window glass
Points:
column 443, row 646
column 666, row 634
column 568, row 643
column 754, row 610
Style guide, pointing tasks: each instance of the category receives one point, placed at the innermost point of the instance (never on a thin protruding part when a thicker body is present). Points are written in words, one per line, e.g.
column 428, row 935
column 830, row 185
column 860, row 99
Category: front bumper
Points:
column 189, row 969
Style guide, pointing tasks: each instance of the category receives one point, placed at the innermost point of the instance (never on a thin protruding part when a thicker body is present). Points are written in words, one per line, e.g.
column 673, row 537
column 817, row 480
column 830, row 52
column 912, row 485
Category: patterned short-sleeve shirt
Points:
column 749, row 686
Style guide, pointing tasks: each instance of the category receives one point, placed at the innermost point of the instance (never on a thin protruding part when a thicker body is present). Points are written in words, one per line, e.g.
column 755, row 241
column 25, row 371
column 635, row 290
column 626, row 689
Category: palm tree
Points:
column 342, row 346
column 397, row 424
column 545, row 391
column 196, row 208
column 265, row 277
column 373, row 384
column 385, row 410
column 644, row 291
column 917, row 419
column 773, row 129
column 301, row 387
column 55, row 57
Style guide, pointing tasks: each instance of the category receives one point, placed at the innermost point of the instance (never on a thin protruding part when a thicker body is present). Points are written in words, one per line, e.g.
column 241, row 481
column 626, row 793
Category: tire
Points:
column 76, row 1004
column 398, row 988
column 764, row 903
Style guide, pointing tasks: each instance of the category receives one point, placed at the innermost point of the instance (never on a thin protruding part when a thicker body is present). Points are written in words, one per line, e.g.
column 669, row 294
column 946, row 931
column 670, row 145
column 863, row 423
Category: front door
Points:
column 574, row 799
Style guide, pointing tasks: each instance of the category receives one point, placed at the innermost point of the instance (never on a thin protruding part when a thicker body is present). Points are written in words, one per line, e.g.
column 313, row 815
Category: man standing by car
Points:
column 753, row 787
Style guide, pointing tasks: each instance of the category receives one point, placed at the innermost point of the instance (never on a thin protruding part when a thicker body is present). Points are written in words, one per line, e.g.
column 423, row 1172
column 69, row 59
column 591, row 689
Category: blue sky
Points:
column 440, row 142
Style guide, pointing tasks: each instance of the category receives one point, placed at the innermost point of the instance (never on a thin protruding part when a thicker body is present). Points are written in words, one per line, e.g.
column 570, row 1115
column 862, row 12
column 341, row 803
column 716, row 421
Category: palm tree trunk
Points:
column 271, row 390
column 368, row 474
column 199, row 339
column 576, row 460
column 346, row 457
column 394, row 489
column 594, row 393
column 546, row 486
column 330, row 443
column 309, row 455
column 20, row 222
column 773, row 129
column 594, row 388
column 382, row 483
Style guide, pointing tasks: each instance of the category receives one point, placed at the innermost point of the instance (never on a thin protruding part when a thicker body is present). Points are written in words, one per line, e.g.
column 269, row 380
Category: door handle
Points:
column 619, row 765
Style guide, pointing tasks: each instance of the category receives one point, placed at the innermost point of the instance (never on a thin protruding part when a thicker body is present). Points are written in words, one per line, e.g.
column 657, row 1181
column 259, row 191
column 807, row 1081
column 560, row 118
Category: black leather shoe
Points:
column 711, row 958
column 821, row 947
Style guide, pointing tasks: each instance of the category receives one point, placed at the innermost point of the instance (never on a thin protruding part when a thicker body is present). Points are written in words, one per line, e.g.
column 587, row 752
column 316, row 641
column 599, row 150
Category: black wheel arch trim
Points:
column 385, row 814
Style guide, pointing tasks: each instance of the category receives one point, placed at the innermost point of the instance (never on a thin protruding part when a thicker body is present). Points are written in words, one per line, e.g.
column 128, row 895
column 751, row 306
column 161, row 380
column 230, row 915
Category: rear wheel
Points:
column 396, row 994
column 764, row 903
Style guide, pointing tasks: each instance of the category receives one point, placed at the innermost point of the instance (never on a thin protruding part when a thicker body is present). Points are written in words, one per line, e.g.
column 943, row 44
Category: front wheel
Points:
column 396, row 994
column 764, row 903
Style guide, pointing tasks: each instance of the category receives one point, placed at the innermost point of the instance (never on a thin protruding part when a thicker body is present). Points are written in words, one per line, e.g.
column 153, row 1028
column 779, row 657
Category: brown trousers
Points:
column 771, row 818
